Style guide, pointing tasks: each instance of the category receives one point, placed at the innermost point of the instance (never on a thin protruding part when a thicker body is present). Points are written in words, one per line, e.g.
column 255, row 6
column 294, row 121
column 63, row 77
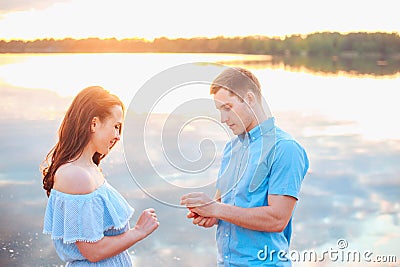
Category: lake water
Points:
column 348, row 124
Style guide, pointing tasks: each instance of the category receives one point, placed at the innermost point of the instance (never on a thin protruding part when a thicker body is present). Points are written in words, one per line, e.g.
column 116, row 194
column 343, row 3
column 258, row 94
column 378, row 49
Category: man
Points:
column 259, row 180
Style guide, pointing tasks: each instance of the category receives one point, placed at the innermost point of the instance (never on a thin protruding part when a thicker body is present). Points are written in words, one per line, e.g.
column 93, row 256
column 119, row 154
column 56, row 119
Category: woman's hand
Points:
column 147, row 223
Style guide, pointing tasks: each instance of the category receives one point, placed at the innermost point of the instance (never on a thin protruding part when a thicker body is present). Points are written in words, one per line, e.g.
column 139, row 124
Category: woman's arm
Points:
column 71, row 179
column 110, row 246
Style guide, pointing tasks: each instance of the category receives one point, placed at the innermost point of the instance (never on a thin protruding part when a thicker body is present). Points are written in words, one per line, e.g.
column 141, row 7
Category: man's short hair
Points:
column 238, row 81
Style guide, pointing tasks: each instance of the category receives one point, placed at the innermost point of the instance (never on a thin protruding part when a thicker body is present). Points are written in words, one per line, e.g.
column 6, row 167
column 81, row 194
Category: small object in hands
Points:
column 195, row 215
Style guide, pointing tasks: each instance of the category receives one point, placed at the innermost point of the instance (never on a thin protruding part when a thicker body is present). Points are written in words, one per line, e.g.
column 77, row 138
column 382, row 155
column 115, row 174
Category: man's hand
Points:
column 205, row 222
column 200, row 204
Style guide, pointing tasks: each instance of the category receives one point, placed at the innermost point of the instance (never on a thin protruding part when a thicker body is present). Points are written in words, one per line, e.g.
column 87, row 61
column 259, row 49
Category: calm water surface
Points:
column 348, row 124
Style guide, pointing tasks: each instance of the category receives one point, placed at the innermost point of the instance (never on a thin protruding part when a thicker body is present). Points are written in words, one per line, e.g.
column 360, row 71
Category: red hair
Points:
column 74, row 132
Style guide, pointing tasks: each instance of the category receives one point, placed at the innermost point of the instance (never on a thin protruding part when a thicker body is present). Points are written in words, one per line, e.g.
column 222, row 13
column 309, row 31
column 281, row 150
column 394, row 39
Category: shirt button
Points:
column 226, row 256
column 226, row 235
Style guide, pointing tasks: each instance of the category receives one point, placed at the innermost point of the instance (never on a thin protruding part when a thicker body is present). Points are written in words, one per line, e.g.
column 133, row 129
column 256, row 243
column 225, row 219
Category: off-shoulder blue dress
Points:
column 89, row 217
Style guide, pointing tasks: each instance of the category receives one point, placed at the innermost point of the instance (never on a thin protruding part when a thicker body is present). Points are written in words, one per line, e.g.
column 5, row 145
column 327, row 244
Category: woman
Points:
column 87, row 218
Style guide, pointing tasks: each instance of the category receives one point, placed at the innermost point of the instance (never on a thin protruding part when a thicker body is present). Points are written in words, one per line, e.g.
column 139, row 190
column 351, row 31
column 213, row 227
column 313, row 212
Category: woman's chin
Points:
column 104, row 152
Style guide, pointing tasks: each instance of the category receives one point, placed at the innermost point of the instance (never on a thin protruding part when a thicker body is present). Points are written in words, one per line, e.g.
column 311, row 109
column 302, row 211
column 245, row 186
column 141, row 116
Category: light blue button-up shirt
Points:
column 264, row 161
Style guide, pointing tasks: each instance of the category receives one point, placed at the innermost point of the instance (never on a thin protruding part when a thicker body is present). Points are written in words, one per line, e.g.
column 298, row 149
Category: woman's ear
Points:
column 94, row 124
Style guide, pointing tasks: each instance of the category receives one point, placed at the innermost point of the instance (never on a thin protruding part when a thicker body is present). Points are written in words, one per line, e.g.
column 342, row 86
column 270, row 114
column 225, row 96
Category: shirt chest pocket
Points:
column 259, row 179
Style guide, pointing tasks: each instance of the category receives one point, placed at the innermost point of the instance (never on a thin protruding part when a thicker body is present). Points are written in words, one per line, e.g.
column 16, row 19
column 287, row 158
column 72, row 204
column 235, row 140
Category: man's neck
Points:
column 259, row 117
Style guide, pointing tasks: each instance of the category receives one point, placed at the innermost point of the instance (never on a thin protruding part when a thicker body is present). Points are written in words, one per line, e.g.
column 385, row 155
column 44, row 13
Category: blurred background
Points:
column 330, row 75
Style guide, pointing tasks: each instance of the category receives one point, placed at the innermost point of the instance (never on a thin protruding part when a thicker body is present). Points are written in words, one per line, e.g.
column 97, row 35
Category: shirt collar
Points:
column 258, row 131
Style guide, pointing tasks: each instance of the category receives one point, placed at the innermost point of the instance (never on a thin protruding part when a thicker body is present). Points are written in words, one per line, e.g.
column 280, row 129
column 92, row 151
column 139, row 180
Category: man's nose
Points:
column 224, row 117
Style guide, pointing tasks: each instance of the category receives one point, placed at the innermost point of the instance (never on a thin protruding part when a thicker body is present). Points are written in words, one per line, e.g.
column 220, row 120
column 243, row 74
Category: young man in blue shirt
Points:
column 259, row 180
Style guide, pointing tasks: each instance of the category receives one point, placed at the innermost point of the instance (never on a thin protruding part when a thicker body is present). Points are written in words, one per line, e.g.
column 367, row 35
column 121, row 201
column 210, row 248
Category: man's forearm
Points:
column 271, row 218
column 260, row 218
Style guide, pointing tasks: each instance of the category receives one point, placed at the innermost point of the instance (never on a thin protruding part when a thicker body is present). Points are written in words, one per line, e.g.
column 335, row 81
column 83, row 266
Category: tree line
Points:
column 378, row 44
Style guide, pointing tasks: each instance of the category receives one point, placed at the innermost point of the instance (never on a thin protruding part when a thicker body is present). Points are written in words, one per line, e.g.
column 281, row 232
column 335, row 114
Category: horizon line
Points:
column 282, row 37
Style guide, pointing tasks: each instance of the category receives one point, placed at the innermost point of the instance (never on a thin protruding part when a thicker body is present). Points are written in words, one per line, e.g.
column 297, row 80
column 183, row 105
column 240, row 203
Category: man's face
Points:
column 235, row 113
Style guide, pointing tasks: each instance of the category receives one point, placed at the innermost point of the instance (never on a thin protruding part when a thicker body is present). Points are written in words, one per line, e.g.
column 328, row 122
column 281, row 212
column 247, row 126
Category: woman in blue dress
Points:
column 88, row 220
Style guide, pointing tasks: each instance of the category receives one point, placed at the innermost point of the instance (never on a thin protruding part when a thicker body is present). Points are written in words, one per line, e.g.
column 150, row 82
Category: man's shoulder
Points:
column 282, row 135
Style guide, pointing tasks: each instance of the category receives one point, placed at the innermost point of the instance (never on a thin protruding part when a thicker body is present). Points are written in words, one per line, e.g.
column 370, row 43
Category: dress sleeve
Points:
column 85, row 217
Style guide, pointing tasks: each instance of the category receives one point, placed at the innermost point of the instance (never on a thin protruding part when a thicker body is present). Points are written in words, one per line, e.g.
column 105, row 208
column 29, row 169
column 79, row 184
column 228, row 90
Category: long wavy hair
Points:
column 74, row 133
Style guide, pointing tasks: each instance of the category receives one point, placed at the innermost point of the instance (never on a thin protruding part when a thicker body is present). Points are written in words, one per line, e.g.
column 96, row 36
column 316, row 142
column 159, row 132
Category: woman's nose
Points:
column 117, row 136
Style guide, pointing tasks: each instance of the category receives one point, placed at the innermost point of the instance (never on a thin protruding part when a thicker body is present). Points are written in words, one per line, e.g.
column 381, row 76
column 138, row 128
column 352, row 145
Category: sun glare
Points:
column 174, row 18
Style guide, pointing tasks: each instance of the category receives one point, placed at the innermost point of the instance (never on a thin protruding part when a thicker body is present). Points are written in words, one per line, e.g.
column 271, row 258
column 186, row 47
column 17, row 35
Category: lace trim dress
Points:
column 89, row 217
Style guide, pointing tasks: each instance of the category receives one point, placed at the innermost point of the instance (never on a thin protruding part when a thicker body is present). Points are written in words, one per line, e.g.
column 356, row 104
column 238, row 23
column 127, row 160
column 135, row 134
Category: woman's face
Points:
column 107, row 131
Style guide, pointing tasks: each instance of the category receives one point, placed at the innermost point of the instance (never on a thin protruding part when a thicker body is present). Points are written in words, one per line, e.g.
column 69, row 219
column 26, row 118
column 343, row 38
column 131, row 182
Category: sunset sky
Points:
column 27, row 19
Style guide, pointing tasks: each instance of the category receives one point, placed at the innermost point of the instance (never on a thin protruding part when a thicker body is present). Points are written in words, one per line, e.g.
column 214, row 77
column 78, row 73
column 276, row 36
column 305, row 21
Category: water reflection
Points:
column 351, row 190
column 17, row 103
column 353, row 66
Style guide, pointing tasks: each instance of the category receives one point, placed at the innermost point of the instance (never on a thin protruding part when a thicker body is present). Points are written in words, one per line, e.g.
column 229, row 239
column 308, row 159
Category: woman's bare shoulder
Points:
column 72, row 179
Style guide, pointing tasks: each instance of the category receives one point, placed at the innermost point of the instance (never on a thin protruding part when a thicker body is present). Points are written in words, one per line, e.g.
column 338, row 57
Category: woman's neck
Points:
column 86, row 158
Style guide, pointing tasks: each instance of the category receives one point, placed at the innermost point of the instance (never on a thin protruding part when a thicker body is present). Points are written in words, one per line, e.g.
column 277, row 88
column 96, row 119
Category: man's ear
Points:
column 93, row 124
column 250, row 98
